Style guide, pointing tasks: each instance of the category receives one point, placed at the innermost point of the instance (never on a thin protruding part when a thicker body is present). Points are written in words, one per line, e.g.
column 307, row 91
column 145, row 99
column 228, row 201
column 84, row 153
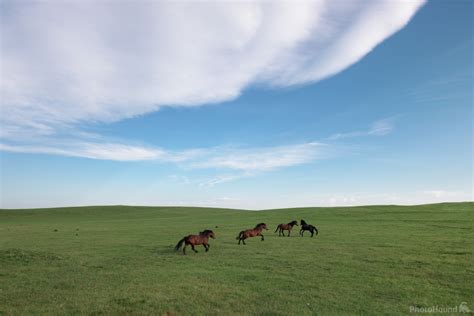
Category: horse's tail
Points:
column 240, row 235
column 179, row 244
column 277, row 228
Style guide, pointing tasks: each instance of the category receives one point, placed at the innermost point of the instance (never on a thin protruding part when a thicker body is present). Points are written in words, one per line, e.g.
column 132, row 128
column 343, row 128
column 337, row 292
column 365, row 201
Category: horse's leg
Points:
column 283, row 232
column 192, row 247
column 262, row 237
column 289, row 231
column 312, row 232
column 301, row 232
column 239, row 240
column 207, row 247
column 243, row 241
column 184, row 248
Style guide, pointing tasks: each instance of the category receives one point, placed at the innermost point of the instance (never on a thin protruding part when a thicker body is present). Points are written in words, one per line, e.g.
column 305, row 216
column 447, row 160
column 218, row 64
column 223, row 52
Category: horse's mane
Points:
column 261, row 224
column 205, row 232
column 303, row 222
column 293, row 222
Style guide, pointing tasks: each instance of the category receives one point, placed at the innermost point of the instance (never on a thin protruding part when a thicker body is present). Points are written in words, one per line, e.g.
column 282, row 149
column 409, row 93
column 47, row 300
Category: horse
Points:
column 280, row 228
column 257, row 231
column 305, row 226
column 194, row 240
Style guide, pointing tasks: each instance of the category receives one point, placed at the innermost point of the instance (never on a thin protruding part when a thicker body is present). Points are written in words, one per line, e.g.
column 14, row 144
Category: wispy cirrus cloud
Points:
column 441, row 89
column 226, row 157
column 264, row 159
column 104, row 151
column 229, row 162
column 85, row 69
column 254, row 161
column 223, row 178
column 378, row 128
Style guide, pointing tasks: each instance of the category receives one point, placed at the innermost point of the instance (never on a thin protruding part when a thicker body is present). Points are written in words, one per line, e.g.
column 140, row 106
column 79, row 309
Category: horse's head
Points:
column 262, row 226
column 208, row 233
column 293, row 223
column 302, row 222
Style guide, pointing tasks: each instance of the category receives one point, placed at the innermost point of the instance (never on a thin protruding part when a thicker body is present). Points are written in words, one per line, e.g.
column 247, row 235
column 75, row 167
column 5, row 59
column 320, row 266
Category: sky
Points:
column 250, row 105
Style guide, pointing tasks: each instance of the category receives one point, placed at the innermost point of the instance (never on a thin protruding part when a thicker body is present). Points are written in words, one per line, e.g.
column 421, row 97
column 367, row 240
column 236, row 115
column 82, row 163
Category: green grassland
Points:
column 120, row 260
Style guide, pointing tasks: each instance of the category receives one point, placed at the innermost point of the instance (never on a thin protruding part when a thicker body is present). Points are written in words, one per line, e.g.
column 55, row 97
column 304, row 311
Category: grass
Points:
column 120, row 260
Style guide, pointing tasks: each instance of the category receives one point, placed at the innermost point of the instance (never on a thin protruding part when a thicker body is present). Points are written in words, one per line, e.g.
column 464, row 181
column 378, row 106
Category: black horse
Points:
column 305, row 226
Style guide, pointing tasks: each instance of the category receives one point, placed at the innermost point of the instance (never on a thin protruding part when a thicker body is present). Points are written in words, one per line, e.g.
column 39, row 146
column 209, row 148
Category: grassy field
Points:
column 120, row 260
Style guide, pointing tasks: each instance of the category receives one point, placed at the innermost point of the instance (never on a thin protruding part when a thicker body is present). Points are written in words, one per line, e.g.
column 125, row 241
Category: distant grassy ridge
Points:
column 120, row 260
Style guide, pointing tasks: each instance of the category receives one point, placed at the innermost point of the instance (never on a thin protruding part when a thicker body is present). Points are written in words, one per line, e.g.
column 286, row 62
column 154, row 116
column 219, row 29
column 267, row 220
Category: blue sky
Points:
column 278, row 107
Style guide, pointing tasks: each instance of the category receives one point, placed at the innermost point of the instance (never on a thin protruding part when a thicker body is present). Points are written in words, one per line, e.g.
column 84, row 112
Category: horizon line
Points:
column 229, row 208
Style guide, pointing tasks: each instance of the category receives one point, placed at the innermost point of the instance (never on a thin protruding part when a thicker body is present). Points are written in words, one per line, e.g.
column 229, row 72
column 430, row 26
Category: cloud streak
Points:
column 222, row 158
column 104, row 151
column 264, row 159
column 378, row 128
column 230, row 161
column 86, row 69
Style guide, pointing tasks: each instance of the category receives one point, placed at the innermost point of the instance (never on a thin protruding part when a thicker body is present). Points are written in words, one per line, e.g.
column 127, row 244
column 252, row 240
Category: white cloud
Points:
column 219, row 179
column 103, row 151
column 64, row 63
column 378, row 128
column 264, row 159
column 249, row 160
column 236, row 162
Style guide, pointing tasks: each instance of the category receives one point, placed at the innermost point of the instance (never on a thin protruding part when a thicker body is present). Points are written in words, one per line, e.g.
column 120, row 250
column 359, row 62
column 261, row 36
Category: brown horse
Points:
column 288, row 227
column 194, row 240
column 257, row 231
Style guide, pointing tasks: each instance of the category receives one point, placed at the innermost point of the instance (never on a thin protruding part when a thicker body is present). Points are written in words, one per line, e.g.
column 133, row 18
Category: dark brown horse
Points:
column 257, row 231
column 194, row 240
column 288, row 227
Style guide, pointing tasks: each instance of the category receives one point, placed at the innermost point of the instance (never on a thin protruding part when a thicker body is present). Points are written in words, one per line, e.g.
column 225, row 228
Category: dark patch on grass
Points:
column 96, row 267
column 456, row 253
column 451, row 227
column 128, row 303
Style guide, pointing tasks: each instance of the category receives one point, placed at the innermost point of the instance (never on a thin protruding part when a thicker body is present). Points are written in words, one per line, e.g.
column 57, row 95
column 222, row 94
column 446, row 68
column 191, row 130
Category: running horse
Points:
column 194, row 240
column 305, row 226
column 280, row 228
column 257, row 231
